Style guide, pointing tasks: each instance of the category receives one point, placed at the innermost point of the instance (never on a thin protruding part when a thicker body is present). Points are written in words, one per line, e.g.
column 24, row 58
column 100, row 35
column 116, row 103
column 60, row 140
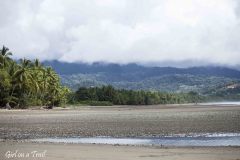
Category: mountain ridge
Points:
column 64, row 68
column 139, row 77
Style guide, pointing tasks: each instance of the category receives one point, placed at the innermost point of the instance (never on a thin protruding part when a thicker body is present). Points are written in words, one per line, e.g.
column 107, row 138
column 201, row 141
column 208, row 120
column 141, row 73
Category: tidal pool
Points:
column 222, row 139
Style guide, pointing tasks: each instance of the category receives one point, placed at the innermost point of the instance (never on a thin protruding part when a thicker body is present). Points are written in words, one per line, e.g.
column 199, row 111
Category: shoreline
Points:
column 118, row 121
column 130, row 107
column 174, row 140
column 23, row 142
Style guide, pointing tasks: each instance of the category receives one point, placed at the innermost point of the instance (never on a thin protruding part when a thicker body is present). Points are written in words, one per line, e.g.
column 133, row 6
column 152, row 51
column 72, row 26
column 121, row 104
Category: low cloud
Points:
column 123, row 31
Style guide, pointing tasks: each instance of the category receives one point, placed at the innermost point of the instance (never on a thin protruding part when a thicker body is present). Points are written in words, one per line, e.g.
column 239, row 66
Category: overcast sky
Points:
column 123, row 30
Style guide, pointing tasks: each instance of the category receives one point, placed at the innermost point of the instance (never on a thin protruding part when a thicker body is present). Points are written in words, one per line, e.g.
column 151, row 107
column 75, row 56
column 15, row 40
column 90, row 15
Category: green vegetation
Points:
column 230, row 92
column 107, row 95
column 176, row 83
column 26, row 83
column 212, row 88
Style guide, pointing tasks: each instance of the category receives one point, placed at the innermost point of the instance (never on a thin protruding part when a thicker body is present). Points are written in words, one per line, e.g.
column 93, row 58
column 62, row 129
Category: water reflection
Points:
column 165, row 141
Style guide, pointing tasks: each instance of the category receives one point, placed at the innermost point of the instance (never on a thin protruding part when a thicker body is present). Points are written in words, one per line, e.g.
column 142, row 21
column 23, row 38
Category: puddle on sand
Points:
column 227, row 103
column 223, row 139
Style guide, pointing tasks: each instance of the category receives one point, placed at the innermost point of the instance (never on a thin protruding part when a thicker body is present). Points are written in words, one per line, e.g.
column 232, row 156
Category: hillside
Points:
column 137, row 77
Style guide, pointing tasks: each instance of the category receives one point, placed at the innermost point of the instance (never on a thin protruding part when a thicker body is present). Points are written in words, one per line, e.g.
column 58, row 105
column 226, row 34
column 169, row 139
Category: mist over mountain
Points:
column 123, row 31
column 139, row 77
column 139, row 70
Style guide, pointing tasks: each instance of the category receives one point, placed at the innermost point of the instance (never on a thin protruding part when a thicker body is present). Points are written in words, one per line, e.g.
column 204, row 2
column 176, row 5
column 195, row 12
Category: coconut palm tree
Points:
column 51, row 86
column 25, row 82
column 24, row 85
column 4, row 57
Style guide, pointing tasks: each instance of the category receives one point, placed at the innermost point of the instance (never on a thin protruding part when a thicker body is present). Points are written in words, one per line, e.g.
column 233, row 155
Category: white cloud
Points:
column 123, row 30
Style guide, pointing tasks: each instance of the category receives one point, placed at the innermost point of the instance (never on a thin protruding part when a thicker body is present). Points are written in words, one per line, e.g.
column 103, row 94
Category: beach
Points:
column 119, row 121
column 19, row 126
column 52, row 151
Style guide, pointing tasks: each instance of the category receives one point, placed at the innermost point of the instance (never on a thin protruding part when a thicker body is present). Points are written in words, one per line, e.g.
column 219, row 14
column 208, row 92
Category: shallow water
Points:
column 223, row 139
column 231, row 103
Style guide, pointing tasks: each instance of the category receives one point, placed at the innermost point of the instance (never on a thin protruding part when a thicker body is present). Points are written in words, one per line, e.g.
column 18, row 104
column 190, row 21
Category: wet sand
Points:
column 50, row 151
column 119, row 121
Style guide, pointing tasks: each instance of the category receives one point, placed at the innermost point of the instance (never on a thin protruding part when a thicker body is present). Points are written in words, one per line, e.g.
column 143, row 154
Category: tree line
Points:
column 25, row 82
column 112, row 96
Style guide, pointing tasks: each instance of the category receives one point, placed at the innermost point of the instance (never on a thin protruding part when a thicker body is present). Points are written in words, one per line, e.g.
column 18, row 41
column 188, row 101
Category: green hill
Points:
column 206, row 80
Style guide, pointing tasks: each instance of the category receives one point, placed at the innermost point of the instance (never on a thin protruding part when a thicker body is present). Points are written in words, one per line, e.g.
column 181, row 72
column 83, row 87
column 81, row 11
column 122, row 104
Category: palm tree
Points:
column 37, row 74
column 25, row 82
column 22, row 75
column 22, row 78
column 50, row 85
column 4, row 57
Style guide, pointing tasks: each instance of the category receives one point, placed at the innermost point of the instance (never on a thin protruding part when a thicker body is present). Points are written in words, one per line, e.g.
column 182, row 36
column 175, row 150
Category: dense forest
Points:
column 107, row 95
column 26, row 83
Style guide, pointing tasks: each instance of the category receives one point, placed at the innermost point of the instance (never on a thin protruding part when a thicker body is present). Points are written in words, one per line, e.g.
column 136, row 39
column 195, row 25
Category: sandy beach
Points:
column 17, row 126
column 119, row 121
column 50, row 151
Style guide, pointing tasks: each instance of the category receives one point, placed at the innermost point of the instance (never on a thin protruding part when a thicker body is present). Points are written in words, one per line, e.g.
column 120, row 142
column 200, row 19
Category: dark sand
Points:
column 119, row 121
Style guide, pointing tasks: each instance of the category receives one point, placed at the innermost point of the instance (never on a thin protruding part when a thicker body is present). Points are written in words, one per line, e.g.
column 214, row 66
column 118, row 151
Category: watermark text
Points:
column 32, row 154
